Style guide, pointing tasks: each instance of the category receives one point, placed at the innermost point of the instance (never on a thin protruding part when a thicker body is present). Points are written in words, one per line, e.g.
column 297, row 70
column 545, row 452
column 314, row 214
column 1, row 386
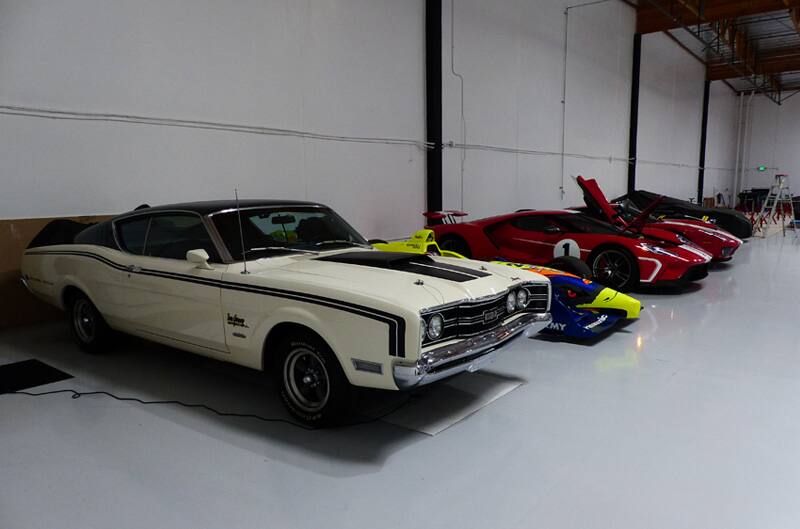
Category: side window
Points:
column 534, row 223
column 171, row 236
column 132, row 234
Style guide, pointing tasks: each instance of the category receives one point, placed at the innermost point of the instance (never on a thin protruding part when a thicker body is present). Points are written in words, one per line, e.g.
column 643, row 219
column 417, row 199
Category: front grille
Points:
column 696, row 273
column 471, row 318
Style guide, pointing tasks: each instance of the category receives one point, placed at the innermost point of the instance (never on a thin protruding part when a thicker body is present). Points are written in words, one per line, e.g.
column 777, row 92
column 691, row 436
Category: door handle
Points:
column 134, row 268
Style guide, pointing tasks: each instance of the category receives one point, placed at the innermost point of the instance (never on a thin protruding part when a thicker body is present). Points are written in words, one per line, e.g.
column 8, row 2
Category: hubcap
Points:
column 83, row 319
column 612, row 267
column 306, row 380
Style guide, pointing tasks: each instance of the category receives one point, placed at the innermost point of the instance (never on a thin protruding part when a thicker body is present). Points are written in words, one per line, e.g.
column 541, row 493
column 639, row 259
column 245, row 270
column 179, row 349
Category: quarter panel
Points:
column 348, row 335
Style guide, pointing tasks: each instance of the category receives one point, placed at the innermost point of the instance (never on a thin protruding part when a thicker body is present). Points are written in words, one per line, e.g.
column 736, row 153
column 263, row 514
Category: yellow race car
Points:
column 580, row 307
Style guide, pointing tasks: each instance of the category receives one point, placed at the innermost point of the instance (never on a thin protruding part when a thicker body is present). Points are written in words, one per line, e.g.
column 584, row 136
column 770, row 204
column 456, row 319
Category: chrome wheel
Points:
column 306, row 380
column 84, row 320
column 613, row 268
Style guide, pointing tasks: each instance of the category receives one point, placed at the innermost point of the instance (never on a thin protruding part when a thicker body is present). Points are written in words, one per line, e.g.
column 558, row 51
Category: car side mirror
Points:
column 199, row 258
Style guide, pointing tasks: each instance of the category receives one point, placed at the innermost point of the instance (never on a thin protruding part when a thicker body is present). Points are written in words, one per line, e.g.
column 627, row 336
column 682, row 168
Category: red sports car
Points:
column 618, row 258
column 710, row 238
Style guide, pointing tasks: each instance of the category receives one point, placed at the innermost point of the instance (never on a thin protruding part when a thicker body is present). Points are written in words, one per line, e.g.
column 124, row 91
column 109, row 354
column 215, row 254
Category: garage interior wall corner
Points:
column 772, row 142
column 507, row 58
column 670, row 124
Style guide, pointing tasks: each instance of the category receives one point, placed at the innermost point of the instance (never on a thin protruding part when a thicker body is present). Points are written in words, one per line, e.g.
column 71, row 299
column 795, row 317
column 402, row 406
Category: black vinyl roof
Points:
column 212, row 206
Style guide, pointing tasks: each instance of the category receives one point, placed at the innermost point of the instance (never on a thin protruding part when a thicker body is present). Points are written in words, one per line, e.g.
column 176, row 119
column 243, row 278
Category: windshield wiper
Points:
column 282, row 249
column 342, row 241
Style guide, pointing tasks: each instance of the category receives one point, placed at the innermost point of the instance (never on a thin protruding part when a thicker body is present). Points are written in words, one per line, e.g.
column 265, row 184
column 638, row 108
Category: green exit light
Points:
column 762, row 168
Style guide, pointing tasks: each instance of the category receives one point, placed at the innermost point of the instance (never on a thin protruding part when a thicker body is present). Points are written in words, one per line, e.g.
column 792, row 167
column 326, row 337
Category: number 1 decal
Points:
column 568, row 248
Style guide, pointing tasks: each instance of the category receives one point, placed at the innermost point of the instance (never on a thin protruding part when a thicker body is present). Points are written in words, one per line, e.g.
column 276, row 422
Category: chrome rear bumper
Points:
column 468, row 355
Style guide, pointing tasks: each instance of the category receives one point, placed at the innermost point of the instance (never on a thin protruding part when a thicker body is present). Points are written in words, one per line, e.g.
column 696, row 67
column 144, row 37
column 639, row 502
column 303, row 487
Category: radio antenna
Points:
column 241, row 233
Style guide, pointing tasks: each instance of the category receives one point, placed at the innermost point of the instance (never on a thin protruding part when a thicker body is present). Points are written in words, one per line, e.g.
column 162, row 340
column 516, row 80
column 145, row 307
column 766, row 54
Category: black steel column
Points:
column 701, row 173
column 634, row 126
column 433, row 102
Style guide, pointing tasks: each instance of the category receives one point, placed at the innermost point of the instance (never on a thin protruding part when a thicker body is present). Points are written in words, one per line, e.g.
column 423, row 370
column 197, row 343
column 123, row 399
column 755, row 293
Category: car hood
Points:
column 596, row 201
column 661, row 234
column 699, row 226
column 398, row 278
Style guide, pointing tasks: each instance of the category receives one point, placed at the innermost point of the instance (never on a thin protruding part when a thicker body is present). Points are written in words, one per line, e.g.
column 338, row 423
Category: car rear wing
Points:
column 448, row 216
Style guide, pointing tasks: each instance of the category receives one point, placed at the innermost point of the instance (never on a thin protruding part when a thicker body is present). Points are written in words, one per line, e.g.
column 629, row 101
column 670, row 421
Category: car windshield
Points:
column 269, row 231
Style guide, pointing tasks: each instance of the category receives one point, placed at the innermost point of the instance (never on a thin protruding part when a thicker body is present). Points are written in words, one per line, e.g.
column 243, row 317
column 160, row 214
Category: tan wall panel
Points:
column 17, row 305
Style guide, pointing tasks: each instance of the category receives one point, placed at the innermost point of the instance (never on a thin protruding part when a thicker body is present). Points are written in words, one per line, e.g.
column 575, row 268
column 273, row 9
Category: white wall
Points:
column 670, row 118
column 721, row 142
column 774, row 142
column 511, row 55
column 342, row 67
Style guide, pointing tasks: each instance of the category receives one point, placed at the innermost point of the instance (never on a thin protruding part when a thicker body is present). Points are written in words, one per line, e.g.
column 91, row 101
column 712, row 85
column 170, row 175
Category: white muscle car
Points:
column 308, row 297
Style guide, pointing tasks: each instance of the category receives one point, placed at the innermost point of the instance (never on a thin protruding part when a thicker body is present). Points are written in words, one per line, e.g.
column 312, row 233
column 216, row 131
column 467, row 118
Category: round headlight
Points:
column 435, row 327
column 522, row 298
column 511, row 302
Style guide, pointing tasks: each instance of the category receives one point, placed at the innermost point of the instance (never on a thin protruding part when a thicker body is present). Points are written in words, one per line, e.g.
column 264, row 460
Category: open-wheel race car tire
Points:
column 614, row 267
column 310, row 380
column 571, row 265
column 454, row 243
column 89, row 330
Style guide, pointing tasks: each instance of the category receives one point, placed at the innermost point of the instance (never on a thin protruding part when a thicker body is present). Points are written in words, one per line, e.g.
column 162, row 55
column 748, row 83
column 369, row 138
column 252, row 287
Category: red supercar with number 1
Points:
column 619, row 258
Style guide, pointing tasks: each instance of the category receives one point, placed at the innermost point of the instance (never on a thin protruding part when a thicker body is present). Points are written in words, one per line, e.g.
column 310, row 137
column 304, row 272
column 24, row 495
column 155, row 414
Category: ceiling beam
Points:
column 651, row 19
column 727, row 36
column 775, row 62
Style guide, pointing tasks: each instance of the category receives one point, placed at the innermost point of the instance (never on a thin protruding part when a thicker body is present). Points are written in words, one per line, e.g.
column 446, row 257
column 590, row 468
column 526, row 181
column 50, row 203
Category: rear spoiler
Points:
column 447, row 216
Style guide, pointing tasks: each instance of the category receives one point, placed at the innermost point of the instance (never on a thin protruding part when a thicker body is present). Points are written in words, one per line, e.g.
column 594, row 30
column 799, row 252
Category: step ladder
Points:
column 776, row 210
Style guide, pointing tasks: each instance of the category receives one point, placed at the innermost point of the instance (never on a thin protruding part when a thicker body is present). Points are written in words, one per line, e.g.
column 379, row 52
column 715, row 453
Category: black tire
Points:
column 310, row 380
column 89, row 330
column 571, row 265
column 614, row 267
column 454, row 243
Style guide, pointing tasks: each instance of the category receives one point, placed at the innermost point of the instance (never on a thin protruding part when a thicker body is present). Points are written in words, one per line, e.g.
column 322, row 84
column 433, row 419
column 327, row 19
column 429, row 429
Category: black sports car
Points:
column 728, row 219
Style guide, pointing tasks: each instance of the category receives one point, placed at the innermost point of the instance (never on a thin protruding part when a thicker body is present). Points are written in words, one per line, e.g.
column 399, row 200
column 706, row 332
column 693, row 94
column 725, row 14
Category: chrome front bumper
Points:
column 468, row 355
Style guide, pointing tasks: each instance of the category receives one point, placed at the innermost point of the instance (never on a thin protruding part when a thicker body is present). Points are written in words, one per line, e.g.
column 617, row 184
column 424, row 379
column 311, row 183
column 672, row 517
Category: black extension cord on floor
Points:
column 78, row 394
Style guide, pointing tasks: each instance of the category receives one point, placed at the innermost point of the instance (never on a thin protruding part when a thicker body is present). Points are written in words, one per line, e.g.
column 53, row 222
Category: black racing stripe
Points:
column 405, row 262
column 397, row 324
column 461, row 269
column 435, row 271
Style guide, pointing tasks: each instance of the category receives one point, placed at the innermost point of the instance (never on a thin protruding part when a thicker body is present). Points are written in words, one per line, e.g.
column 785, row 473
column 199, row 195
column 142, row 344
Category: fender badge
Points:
column 235, row 321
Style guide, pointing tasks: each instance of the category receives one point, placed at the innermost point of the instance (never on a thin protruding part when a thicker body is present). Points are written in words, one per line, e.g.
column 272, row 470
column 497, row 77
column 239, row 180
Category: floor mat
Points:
column 440, row 406
column 28, row 374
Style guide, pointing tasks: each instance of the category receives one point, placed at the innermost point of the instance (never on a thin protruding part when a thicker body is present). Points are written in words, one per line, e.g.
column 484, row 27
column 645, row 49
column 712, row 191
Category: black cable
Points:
column 78, row 394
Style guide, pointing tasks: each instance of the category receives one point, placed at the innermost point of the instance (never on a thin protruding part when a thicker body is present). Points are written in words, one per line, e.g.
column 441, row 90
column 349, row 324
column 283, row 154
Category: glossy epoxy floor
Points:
column 688, row 418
